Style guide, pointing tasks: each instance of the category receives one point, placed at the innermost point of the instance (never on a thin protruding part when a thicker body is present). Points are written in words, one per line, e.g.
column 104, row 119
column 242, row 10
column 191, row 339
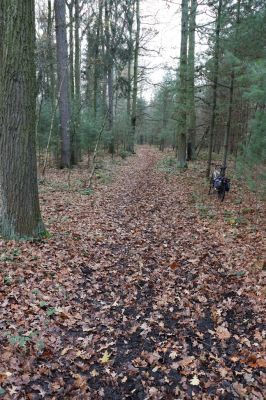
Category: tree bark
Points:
column 70, row 6
column 135, row 79
column 110, row 78
column 63, row 81
column 191, row 120
column 20, row 213
column 77, row 80
column 130, row 17
column 182, row 106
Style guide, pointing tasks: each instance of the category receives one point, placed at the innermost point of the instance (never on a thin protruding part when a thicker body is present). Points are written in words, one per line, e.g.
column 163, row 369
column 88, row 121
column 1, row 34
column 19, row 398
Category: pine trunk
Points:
column 20, row 212
column 182, row 106
column 63, row 81
column 231, row 97
column 135, row 79
column 71, row 48
column 215, row 85
column 96, row 59
column 76, row 143
column 191, row 120
column 228, row 124
column 110, row 79
column 50, row 55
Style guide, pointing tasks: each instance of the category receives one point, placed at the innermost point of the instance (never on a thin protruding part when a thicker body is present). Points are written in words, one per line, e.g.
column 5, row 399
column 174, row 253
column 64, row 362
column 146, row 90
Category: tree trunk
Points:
column 228, row 124
column 73, row 158
column 182, row 111
column 191, row 119
column 110, row 79
column 50, row 55
column 129, row 67
column 20, row 213
column 231, row 95
column 135, row 79
column 63, row 81
column 71, row 48
column 215, row 84
column 96, row 60
column 76, row 143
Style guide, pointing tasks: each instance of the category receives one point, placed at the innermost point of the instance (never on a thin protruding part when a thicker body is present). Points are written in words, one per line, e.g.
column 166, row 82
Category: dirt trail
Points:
column 147, row 300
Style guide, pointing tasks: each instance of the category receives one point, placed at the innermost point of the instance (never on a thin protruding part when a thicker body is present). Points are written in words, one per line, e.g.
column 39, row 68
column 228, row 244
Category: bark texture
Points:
column 20, row 211
column 182, row 106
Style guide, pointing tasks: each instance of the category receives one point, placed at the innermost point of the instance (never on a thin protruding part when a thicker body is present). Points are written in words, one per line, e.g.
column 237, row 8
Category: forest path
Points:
column 140, row 293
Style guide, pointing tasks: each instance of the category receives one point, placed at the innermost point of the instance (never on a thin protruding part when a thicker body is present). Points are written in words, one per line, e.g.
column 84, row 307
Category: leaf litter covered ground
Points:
column 146, row 289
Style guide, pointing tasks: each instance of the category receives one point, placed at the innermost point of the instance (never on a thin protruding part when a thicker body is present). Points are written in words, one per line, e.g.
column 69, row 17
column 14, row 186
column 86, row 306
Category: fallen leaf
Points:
column 4, row 376
column 105, row 358
column 94, row 373
column 261, row 363
column 65, row 350
column 194, row 381
column 234, row 358
column 186, row 361
column 174, row 265
column 223, row 333
column 223, row 372
column 173, row 355
column 239, row 389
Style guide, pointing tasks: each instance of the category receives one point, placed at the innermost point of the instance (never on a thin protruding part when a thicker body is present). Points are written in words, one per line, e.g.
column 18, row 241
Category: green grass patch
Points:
column 168, row 165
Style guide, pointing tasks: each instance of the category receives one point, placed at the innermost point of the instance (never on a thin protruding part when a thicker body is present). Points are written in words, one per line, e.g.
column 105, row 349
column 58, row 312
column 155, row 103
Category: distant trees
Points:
column 93, row 68
column 20, row 213
column 219, row 104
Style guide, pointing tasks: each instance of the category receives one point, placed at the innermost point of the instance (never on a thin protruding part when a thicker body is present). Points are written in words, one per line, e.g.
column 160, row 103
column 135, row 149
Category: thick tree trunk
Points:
column 215, row 85
column 191, row 119
column 63, row 81
column 182, row 106
column 20, row 212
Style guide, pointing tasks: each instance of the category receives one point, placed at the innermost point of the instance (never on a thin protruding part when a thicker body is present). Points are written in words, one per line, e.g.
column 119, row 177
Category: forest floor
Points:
column 146, row 288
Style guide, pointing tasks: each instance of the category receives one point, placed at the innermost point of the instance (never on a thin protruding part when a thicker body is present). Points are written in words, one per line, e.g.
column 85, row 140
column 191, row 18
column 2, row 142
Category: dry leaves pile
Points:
column 147, row 289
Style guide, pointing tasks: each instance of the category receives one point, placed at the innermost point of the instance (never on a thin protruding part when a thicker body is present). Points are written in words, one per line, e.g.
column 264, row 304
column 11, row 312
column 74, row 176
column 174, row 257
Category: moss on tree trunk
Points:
column 20, row 211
